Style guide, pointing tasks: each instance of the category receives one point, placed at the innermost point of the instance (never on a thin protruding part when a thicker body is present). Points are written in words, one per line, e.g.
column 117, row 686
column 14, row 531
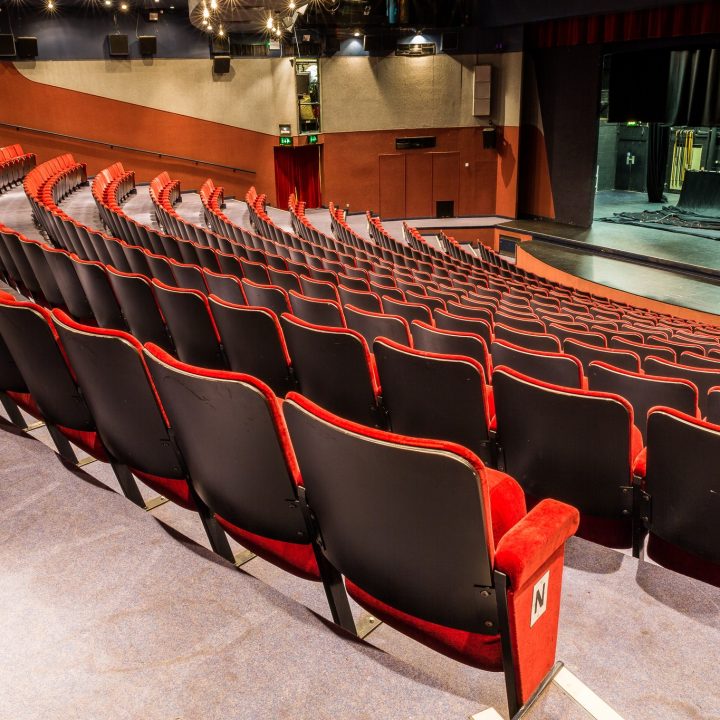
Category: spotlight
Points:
column 221, row 32
column 356, row 34
column 108, row 3
column 291, row 5
column 124, row 7
column 269, row 23
column 278, row 32
column 50, row 5
column 205, row 13
column 204, row 22
column 209, row 28
column 213, row 4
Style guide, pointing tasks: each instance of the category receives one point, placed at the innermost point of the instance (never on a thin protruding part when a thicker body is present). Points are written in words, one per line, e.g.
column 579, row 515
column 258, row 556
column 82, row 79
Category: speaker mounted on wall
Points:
column 26, row 48
column 118, row 45
column 221, row 64
column 7, row 45
column 147, row 45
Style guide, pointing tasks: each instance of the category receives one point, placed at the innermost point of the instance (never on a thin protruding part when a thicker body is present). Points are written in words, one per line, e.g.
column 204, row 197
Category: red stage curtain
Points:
column 677, row 21
column 297, row 170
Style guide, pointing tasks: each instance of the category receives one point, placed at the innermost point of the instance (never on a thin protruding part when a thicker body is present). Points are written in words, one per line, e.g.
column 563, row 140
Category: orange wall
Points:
column 69, row 112
column 487, row 186
column 351, row 161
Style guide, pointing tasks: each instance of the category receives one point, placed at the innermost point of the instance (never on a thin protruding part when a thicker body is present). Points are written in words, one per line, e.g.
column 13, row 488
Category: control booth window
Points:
column 307, row 80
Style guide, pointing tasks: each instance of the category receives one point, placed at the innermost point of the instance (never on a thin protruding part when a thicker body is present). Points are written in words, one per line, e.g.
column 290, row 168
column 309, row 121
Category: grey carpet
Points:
column 80, row 205
column 16, row 212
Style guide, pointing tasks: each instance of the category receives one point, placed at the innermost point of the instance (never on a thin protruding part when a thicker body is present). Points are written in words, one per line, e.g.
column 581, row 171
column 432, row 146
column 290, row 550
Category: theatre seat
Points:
column 409, row 524
column 575, row 445
column 681, row 494
column 232, row 436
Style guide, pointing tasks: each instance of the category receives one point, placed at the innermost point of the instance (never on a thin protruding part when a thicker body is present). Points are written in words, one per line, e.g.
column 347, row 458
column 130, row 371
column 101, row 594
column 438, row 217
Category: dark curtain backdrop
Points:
column 694, row 88
column 657, row 161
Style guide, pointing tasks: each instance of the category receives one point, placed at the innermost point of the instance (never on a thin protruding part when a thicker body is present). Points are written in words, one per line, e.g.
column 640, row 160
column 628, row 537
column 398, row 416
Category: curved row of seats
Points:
column 319, row 387
column 649, row 391
column 189, row 432
column 14, row 165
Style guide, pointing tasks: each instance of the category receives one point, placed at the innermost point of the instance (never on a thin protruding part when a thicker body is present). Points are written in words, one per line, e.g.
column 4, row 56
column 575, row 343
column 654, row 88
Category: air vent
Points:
column 415, row 49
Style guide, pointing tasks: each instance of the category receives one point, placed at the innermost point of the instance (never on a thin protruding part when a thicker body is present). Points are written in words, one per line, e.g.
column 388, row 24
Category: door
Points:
column 445, row 178
column 392, row 186
column 297, row 170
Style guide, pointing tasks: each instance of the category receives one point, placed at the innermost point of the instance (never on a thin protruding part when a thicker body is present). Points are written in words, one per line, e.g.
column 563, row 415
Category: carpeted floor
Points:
column 176, row 624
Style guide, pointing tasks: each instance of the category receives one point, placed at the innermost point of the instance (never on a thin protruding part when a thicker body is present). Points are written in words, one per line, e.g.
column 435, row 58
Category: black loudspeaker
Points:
column 221, row 64
column 147, row 45
column 26, row 47
column 7, row 45
column 489, row 138
column 118, row 45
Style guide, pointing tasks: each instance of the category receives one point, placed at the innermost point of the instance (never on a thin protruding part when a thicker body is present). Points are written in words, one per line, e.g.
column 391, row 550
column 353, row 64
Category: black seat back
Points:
column 378, row 503
column 530, row 340
column 227, row 287
column 230, row 433
column 372, row 325
column 643, row 391
column 681, row 449
column 191, row 326
column 702, row 378
column 333, row 367
column 139, row 307
column 625, row 360
column 437, row 396
column 26, row 329
column 112, row 375
column 447, row 321
column 317, row 312
column 410, row 311
column 568, row 444
column 446, row 342
column 555, row 368
column 253, row 343
column 94, row 279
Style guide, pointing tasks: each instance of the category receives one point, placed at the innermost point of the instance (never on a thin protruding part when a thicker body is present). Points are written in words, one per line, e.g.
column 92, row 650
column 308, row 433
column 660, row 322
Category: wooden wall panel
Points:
column 446, row 180
column 419, row 185
column 392, row 186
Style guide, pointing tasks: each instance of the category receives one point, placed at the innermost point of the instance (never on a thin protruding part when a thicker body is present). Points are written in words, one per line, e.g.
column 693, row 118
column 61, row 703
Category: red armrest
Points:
column 527, row 546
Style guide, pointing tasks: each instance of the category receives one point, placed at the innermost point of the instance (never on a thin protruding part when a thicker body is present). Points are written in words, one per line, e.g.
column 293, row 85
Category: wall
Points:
column 368, row 102
column 177, row 107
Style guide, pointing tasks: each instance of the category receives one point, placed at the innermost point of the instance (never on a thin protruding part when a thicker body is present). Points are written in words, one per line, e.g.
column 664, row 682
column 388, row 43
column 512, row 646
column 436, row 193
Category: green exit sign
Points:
column 312, row 139
column 286, row 141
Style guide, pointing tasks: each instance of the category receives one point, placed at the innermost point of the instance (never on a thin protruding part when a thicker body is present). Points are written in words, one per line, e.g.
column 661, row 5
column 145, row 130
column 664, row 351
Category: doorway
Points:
column 297, row 170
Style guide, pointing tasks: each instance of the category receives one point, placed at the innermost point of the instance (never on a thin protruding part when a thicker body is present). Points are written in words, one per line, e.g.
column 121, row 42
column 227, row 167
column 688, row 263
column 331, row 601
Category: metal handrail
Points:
column 115, row 146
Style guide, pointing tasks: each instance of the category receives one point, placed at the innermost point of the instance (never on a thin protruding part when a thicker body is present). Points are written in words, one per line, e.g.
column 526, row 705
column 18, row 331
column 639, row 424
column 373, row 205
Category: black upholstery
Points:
column 625, row 360
column 643, row 391
column 446, row 342
column 438, row 396
column 333, row 368
column 530, row 340
column 191, row 326
column 702, row 378
column 253, row 343
column 317, row 312
column 373, row 325
column 555, row 368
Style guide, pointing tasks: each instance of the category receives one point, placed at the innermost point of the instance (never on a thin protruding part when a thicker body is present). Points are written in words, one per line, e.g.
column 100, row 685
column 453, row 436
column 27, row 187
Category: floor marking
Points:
column 581, row 693
column 489, row 714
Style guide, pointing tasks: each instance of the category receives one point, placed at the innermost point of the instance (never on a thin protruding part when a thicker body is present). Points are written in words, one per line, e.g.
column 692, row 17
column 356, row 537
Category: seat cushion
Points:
column 87, row 440
column 507, row 502
column 26, row 402
column 175, row 489
column 295, row 558
column 481, row 651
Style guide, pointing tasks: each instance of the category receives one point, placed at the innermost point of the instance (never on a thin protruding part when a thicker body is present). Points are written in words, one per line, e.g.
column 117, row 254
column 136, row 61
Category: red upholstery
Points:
column 87, row 440
column 175, row 489
column 532, row 548
column 298, row 559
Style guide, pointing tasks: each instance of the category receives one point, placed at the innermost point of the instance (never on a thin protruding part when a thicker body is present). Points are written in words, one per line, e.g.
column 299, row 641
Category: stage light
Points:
column 209, row 28
column 213, row 4
column 291, row 5
column 356, row 34
column 221, row 32
column 278, row 32
column 269, row 23
column 50, row 5
column 205, row 13
column 108, row 3
column 124, row 7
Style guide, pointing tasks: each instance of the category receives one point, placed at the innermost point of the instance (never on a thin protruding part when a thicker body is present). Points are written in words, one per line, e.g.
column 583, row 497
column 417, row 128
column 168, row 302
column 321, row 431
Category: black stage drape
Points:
column 658, row 141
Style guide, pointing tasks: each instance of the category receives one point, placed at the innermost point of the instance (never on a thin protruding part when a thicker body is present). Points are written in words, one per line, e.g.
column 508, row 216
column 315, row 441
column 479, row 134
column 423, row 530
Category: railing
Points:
column 115, row 146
